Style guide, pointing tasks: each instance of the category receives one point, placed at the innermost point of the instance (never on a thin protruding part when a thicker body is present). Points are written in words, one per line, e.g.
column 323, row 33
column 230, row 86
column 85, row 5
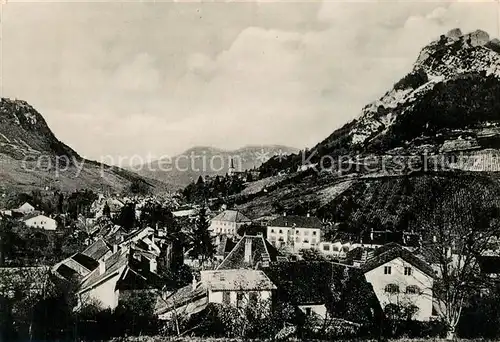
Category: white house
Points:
column 25, row 209
column 297, row 232
column 399, row 277
column 42, row 222
column 238, row 287
column 228, row 222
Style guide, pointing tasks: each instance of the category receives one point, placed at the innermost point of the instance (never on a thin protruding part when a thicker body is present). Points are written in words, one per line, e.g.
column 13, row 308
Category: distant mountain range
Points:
column 31, row 157
column 186, row 167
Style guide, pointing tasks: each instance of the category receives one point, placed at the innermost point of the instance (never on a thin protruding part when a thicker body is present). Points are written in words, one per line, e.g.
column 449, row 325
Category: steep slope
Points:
column 451, row 93
column 31, row 157
column 447, row 107
column 189, row 165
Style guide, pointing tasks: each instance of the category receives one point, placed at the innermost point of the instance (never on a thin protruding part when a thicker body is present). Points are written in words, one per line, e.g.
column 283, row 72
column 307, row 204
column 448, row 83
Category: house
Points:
column 41, row 222
column 314, row 287
column 399, row 277
column 250, row 252
column 228, row 287
column 238, row 287
column 296, row 232
column 228, row 222
column 25, row 209
column 126, row 270
column 76, row 267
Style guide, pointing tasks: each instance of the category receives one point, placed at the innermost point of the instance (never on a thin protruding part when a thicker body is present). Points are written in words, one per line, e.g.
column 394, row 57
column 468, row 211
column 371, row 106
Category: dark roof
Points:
column 489, row 264
column 231, row 216
column 308, row 282
column 112, row 265
column 97, row 250
column 396, row 251
column 66, row 272
column 225, row 246
column 296, row 221
column 85, row 261
column 262, row 251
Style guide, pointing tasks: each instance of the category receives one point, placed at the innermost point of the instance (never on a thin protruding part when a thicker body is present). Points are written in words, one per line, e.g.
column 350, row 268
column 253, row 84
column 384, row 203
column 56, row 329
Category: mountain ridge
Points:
column 31, row 157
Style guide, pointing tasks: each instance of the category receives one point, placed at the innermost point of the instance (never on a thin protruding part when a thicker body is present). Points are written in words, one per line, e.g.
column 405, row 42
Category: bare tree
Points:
column 459, row 223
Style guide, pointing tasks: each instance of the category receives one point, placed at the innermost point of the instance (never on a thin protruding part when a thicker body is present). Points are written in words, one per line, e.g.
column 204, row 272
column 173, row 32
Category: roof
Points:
column 234, row 280
column 225, row 246
column 97, row 250
column 231, row 216
column 86, row 261
column 297, row 221
column 34, row 215
column 181, row 297
column 308, row 282
column 393, row 252
column 112, row 265
column 67, row 272
column 262, row 251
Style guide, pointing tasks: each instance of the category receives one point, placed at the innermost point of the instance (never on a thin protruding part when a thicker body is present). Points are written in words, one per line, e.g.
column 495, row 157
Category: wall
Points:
column 217, row 296
column 379, row 280
column 299, row 238
column 105, row 293
column 223, row 227
column 42, row 222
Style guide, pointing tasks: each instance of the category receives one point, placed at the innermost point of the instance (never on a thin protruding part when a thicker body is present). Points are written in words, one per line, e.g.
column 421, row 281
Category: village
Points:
column 186, row 258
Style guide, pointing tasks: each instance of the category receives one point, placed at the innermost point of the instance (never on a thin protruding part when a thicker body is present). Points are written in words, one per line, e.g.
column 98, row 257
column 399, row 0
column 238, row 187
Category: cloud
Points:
column 160, row 78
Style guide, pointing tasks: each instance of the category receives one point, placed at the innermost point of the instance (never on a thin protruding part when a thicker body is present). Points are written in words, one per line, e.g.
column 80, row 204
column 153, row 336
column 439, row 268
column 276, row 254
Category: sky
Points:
column 156, row 78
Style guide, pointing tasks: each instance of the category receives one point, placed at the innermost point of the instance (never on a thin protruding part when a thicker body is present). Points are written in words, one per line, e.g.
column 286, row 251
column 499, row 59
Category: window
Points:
column 272, row 230
column 306, row 232
column 253, row 298
column 313, row 240
column 306, row 241
column 387, row 269
column 326, row 247
column 308, row 311
column 392, row 288
column 226, row 297
column 281, row 232
column 297, row 239
column 239, row 299
column 412, row 289
column 314, row 233
column 407, row 271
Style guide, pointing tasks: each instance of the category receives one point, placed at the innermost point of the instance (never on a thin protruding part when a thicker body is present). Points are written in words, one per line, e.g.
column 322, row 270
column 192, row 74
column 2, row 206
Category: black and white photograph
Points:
column 249, row 170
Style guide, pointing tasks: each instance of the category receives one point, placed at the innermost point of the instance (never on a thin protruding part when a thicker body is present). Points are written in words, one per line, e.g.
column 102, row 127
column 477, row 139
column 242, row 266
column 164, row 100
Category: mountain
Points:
column 203, row 160
column 448, row 102
column 431, row 141
column 31, row 157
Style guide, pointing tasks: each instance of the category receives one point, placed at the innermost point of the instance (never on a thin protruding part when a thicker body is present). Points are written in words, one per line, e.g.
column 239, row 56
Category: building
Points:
column 41, row 222
column 238, row 288
column 249, row 253
column 296, row 232
column 228, row 222
column 126, row 270
column 399, row 277
column 25, row 209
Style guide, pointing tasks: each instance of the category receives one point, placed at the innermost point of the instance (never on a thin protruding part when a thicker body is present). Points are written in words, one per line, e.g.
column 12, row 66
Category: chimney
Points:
column 248, row 250
column 194, row 282
column 115, row 248
column 308, row 215
column 284, row 213
column 153, row 265
column 102, row 267
column 371, row 234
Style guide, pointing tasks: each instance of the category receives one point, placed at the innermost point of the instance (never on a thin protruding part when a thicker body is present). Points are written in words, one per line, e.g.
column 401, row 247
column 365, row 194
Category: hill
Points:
column 431, row 140
column 31, row 157
column 203, row 160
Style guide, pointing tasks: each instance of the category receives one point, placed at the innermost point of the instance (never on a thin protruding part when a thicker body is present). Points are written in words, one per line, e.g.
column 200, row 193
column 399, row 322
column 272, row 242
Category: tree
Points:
column 202, row 247
column 126, row 218
column 311, row 255
column 460, row 221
